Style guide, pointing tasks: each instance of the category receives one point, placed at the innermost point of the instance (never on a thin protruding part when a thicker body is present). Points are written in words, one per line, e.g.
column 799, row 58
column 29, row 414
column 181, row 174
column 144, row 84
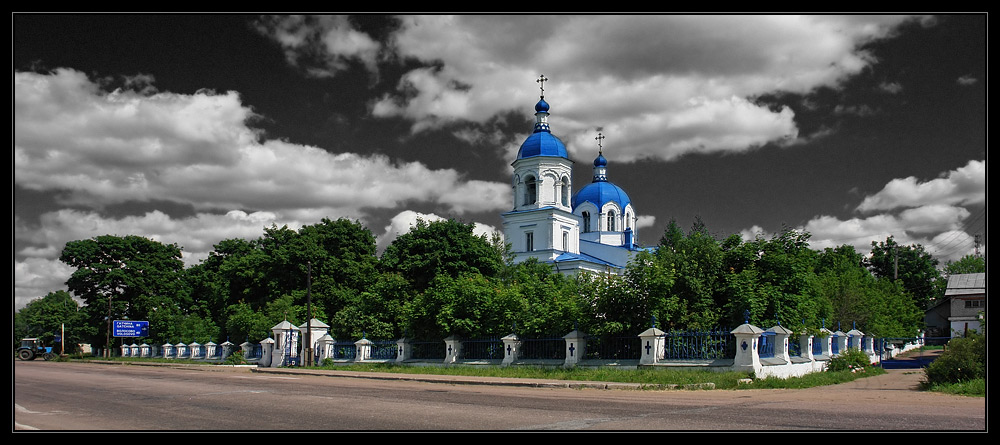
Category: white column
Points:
column 511, row 349
column 747, row 355
column 404, row 351
column 781, row 343
column 453, row 348
column 841, row 342
column 806, row 347
column 364, row 349
column 576, row 347
column 652, row 346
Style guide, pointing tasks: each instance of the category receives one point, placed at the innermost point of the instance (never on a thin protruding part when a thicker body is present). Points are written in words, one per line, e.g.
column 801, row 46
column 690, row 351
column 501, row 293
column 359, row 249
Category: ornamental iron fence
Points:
column 699, row 345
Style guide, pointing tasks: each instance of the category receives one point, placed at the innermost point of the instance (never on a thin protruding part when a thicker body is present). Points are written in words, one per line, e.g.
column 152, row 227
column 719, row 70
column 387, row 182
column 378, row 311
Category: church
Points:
column 590, row 230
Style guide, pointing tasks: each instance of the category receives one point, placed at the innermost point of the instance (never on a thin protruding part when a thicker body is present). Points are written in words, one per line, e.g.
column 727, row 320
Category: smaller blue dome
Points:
column 600, row 193
column 542, row 106
column 600, row 161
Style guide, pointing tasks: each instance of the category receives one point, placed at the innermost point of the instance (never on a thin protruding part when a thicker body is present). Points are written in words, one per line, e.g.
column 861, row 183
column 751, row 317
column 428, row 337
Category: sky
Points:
column 191, row 129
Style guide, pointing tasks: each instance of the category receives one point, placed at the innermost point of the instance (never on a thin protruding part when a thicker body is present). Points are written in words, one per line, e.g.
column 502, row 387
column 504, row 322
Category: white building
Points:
column 593, row 229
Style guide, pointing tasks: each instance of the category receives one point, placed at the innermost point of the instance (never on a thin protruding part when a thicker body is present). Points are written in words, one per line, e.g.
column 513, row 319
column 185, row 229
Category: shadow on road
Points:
column 912, row 360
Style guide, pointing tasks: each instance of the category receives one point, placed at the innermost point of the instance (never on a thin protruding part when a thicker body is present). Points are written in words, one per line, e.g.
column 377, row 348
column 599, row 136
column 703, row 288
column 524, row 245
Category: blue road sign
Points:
column 130, row 328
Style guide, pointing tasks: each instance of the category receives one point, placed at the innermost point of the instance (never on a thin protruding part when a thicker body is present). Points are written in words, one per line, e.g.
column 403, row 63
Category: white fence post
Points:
column 576, row 347
column 747, row 355
column 806, row 346
column 364, row 350
column 652, row 346
column 511, row 348
column 453, row 348
column 404, row 351
column 781, row 343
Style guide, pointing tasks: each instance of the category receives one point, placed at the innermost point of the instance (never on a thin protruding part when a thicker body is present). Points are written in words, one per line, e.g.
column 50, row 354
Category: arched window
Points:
column 565, row 191
column 611, row 220
column 565, row 241
column 530, row 190
column 586, row 222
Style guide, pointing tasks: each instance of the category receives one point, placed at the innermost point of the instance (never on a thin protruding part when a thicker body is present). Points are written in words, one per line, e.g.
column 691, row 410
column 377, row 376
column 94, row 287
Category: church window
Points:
column 530, row 190
column 611, row 220
column 586, row 222
column 565, row 241
column 529, row 242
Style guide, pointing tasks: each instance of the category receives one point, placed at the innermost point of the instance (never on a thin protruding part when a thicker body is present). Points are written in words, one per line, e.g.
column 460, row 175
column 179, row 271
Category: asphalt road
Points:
column 95, row 397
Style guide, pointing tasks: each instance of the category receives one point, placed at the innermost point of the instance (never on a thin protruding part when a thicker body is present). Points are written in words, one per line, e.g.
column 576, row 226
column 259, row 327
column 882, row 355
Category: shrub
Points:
column 236, row 358
column 850, row 360
column 963, row 360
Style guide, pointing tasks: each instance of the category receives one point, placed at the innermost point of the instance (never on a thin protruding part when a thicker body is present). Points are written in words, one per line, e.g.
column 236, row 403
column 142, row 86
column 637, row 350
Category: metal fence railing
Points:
column 613, row 348
column 482, row 349
column 766, row 347
column 427, row 350
column 543, row 349
column 384, row 349
column 344, row 350
column 692, row 345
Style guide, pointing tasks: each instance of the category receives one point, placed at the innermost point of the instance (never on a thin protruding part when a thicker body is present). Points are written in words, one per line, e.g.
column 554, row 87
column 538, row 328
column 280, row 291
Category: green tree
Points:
column 329, row 264
column 447, row 248
column 856, row 298
column 550, row 301
column 122, row 277
column 468, row 306
column 967, row 264
column 912, row 265
column 376, row 312
column 686, row 269
column 55, row 314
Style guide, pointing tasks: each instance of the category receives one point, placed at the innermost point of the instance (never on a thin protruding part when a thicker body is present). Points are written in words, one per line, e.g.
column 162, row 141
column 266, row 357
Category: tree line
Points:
column 441, row 279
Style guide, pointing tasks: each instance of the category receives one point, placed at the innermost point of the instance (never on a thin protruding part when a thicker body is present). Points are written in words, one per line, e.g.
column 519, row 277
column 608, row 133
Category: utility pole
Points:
column 895, row 266
column 308, row 359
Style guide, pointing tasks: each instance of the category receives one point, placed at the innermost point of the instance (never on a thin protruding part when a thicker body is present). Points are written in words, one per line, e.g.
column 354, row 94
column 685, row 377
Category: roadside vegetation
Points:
column 961, row 368
column 651, row 376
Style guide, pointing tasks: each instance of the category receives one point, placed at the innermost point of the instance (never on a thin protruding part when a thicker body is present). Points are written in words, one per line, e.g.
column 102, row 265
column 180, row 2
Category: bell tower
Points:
column 542, row 224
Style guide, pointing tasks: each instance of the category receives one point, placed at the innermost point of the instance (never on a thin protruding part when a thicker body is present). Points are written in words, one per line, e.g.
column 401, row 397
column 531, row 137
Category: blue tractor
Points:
column 32, row 348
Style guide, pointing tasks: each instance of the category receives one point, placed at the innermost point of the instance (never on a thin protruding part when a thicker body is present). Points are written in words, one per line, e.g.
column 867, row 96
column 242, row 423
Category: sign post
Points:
column 130, row 328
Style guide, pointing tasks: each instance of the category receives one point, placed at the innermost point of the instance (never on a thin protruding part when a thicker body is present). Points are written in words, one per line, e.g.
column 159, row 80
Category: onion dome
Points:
column 542, row 142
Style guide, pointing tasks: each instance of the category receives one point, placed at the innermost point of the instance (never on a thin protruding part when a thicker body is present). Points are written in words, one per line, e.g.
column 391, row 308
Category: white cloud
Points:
column 96, row 149
column 912, row 212
column 323, row 45
column 404, row 221
column 963, row 186
column 645, row 221
column 966, row 80
column 102, row 149
column 672, row 84
column 36, row 277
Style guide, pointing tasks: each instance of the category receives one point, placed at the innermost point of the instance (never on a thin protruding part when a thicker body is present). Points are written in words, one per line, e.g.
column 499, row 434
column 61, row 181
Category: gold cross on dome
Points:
column 541, row 83
column 600, row 146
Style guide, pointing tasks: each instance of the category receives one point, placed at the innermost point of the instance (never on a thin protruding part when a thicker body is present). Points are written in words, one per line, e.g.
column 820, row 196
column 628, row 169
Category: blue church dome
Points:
column 542, row 106
column 542, row 143
column 600, row 193
column 600, row 161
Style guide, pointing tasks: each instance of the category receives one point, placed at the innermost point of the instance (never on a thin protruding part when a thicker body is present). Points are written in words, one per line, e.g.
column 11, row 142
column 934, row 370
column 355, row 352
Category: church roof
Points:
column 542, row 143
column 568, row 256
column 600, row 193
